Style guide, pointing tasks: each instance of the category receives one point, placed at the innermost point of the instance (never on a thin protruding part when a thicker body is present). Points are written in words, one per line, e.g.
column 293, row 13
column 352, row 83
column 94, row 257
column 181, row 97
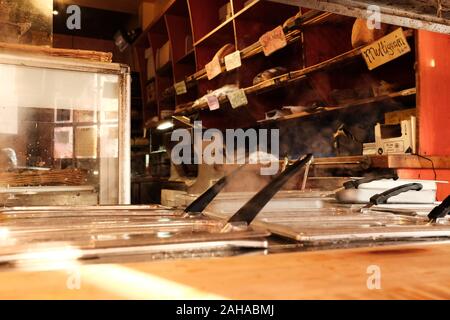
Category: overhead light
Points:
column 55, row 12
column 165, row 125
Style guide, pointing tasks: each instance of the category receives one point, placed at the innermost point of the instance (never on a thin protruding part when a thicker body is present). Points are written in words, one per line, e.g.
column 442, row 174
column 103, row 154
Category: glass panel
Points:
column 59, row 130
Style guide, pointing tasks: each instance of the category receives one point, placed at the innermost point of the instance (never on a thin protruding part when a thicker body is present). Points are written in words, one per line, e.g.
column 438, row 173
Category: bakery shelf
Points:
column 298, row 75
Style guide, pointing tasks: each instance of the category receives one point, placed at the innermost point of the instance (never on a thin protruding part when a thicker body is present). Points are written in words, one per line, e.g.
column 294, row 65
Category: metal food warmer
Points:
column 64, row 130
column 41, row 237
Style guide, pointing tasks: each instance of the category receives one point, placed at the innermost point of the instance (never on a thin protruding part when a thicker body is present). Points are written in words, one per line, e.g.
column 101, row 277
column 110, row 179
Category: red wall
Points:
column 434, row 101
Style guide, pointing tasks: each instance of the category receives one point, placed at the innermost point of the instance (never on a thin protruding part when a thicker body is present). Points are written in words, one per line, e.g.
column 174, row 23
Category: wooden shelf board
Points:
column 260, row 11
column 188, row 58
column 401, row 161
column 215, row 31
column 165, row 71
column 411, row 162
column 355, row 103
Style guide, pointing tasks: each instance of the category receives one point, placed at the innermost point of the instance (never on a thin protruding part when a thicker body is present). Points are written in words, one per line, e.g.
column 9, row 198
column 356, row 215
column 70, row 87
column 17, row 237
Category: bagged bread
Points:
column 269, row 74
column 224, row 51
column 363, row 35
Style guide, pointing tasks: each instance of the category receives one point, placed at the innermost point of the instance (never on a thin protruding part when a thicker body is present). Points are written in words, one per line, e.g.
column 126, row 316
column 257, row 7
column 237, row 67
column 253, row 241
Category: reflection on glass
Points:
column 59, row 129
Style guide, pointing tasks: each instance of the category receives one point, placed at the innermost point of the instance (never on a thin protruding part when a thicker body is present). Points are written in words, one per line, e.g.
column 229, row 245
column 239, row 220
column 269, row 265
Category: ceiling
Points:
column 125, row 6
column 432, row 15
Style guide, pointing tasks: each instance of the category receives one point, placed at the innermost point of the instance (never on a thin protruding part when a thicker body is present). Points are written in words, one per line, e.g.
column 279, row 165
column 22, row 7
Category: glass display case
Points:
column 64, row 131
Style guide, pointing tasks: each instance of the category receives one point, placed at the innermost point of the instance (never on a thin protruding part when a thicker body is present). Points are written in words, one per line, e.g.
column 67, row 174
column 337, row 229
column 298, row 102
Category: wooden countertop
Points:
column 407, row 272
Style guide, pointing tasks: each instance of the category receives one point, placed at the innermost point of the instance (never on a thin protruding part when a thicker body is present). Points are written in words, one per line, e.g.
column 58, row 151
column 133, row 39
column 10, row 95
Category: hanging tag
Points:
column 233, row 61
column 273, row 41
column 386, row 49
column 213, row 69
column 180, row 88
column 237, row 98
column 213, row 102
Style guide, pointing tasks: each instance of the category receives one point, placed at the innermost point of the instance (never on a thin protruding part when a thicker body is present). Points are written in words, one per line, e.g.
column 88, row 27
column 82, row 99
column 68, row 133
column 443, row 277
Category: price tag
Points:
column 386, row 49
column 213, row 69
column 233, row 61
column 180, row 88
column 273, row 41
column 213, row 102
column 237, row 98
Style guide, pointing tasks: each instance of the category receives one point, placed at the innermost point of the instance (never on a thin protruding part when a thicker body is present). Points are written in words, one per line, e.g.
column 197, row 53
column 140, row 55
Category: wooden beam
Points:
column 54, row 52
column 411, row 14
column 128, row 6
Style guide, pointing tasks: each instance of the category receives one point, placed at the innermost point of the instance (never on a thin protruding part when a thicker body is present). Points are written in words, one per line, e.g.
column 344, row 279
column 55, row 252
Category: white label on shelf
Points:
column 233, row 61
column 386, row 49
column 180, row 88
column 237, row 98
column 273, row 41
column 213, row 69
column 213, row 102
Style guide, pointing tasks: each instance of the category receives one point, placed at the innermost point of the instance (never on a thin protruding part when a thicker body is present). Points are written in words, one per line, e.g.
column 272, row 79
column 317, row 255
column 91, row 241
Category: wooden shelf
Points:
column 298, row 75
column 176, row 18
column 355, row 103
column 255, row 49
column 388, row 162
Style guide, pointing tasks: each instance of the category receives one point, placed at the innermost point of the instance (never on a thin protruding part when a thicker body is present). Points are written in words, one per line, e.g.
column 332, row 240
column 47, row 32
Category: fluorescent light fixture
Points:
column 165, row 125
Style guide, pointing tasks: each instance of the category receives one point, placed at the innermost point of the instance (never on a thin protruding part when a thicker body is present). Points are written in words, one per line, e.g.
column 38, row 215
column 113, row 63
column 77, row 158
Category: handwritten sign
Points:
column 233, row 61
column 213, row 102
column 180, row 88
column 386, row 49
column 273, row 41
column 237, row 98
column 213, row 69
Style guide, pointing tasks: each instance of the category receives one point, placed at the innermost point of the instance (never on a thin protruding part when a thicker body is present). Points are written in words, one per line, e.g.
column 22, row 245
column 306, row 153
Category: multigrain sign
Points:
column 386, row 49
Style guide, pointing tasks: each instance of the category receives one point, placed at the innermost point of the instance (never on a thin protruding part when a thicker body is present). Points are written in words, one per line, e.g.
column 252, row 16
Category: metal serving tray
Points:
column 317, row 226
column 230, row 202
column 86, row 211
column 119, row 232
